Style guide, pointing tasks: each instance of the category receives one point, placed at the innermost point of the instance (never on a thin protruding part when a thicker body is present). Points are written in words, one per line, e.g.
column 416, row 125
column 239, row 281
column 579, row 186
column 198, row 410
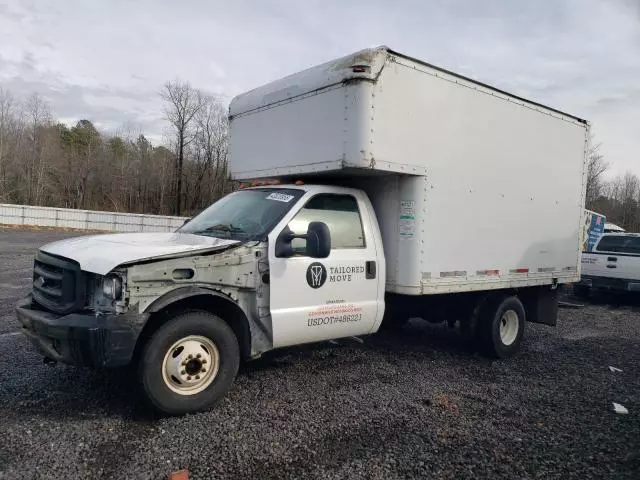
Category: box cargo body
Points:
column 473, row 188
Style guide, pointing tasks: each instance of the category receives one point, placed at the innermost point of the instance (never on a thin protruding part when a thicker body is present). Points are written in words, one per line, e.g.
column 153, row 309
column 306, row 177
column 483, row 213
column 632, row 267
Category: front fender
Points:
column 183, row 293
column 211, row 300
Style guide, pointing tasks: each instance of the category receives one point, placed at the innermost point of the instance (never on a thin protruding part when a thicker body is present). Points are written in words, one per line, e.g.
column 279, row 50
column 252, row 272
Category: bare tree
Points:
column 210, row 151
column 621, row 202
column 630, row 187
column 6, row 118
column 39, row 119
column 183, row 104
column 77, row 166
column 596, row 168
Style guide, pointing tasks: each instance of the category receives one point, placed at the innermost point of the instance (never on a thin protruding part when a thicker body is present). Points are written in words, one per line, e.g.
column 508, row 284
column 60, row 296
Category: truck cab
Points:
column 325, row 265
column 265, row 267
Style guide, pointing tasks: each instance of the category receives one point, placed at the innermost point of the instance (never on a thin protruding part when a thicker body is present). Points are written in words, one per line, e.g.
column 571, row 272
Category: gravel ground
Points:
column 413, row 404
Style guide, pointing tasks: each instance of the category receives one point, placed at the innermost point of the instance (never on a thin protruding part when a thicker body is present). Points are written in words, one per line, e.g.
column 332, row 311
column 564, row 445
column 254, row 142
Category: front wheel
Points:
column 189, row 363
column 501, row 327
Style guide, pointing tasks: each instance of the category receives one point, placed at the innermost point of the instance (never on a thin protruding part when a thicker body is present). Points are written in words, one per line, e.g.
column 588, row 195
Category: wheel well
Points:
column 229, row 311
column 469, row 308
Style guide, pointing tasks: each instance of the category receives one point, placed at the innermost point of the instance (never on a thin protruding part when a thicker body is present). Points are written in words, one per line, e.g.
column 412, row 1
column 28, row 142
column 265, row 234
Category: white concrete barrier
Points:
column 86, row 219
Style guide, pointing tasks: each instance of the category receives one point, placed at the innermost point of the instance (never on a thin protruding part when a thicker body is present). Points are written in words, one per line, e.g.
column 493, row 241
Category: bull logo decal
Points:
column 316, row 275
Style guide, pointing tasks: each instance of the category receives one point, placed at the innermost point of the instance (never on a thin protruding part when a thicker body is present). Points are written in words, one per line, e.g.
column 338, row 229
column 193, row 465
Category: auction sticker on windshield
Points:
column 280, row 197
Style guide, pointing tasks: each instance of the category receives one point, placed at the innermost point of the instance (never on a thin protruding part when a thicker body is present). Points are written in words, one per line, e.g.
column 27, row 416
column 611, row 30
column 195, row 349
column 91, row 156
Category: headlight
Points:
column 112, row 287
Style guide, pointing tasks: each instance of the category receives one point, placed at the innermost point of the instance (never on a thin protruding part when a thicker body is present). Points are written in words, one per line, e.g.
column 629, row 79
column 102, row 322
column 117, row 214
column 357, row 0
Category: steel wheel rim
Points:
column 190, row 365
column 509, row 327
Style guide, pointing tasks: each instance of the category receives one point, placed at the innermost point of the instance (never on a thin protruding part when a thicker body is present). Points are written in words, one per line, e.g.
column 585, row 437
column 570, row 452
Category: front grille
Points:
column 58, row 283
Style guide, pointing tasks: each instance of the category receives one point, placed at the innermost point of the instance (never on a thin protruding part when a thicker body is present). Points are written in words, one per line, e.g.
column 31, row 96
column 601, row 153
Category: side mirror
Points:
column 283, row 244
column 186, row 221
column 318, row 239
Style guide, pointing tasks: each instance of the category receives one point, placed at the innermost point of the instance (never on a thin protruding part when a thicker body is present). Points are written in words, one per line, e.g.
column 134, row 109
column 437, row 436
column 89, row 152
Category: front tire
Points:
column 501, row 327
column 189, row 363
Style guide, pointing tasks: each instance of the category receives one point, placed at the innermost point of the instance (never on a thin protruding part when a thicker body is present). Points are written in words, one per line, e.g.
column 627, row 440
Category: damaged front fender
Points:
column 203, row 298
column 226, row 284
column 183, row 293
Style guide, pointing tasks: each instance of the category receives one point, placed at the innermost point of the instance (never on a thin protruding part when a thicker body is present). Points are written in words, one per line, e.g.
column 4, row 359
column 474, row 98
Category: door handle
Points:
column 370, row 269
column 612, row 259
column 612, row 266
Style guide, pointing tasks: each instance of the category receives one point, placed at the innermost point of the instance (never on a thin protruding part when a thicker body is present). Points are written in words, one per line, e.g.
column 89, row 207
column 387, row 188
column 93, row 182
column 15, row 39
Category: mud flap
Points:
column 541, row 305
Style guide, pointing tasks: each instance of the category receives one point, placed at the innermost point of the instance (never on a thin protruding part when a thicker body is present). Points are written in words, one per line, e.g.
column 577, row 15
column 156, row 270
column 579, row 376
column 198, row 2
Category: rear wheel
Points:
column 189, row 363
column 500, row 327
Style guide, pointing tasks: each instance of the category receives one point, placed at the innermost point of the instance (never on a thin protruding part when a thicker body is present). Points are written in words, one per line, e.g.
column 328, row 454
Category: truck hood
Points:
column 102, row 253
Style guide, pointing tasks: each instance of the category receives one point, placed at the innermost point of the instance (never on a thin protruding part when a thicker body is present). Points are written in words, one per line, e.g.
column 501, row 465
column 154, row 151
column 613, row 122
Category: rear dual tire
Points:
column 500, row 327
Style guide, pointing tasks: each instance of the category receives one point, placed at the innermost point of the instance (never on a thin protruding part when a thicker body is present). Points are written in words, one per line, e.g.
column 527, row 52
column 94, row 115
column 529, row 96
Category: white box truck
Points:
column 382, row 188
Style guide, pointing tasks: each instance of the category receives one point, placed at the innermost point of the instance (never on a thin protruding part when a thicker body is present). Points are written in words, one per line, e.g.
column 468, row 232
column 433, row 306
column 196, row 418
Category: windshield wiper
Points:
column 221, row 227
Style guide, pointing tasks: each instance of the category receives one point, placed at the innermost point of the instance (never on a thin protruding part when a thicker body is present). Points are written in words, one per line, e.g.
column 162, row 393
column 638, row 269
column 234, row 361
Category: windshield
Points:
column 245, row 214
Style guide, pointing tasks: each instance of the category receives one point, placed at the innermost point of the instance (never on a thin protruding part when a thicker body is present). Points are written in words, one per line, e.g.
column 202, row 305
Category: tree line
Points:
column 47, row 163
column 617, row 198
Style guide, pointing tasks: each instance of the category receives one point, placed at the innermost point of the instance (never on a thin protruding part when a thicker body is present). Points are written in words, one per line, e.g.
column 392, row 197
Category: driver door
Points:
column 338, row 296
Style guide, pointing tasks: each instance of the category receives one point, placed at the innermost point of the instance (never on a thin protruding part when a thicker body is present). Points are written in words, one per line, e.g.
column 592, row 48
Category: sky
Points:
column 107, row 60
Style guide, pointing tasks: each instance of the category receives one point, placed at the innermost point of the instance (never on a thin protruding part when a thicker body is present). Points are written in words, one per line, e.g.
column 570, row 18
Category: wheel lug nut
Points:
column 182, row 372
column 190, row 357
column 204, row 360
column 197, row 377
column 199, row 355
column 203, row 370
column 189, row 378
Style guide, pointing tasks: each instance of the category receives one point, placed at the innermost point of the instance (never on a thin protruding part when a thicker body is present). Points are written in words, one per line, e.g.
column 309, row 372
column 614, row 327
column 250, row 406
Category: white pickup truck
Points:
column 361, row 161
column 613, row 265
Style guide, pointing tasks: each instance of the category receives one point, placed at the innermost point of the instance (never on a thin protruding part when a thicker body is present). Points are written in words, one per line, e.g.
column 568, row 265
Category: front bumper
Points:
column 608, row 283
column 83, row 339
